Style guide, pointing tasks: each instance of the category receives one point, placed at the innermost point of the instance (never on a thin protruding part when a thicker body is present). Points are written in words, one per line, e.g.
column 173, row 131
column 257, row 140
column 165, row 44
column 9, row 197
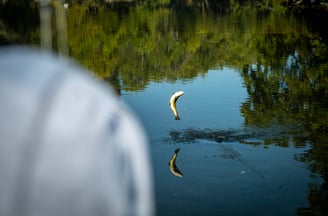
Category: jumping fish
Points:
column 173, row 168
column 173, row 101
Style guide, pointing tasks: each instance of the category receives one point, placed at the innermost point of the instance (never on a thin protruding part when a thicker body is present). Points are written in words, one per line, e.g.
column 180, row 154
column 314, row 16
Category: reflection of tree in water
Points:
column 114, row 80
column 279, row 135
column 317, row 161
column 19, row 23
column 294, row 91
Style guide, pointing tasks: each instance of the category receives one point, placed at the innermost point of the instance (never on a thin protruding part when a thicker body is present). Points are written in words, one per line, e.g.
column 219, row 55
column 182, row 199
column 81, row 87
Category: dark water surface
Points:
column 253, row 121
column 226, row 178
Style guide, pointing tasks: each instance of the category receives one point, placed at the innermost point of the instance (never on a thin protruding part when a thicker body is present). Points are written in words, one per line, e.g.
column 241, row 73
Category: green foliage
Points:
column 19, row 23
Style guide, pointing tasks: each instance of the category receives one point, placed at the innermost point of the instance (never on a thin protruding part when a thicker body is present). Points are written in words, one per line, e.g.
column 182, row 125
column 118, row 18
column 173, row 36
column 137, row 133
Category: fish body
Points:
column 172, row 164
column 173, row 101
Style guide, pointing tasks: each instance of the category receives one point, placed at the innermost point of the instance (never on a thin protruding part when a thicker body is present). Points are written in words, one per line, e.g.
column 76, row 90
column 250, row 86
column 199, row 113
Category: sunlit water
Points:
column 259, row 181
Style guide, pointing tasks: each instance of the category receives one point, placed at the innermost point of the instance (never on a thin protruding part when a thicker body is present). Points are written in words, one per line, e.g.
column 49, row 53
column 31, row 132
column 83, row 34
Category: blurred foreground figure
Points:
column 67, row 145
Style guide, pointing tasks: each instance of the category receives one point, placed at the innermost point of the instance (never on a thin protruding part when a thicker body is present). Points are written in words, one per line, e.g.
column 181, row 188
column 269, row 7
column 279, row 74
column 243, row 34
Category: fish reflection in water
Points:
column 173, row 101
column 227, row 136
column 172, row 164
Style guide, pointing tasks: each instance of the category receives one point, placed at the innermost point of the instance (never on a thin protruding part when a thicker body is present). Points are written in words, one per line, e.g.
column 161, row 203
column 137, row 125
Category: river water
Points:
column 252, row 134
column 219, row 178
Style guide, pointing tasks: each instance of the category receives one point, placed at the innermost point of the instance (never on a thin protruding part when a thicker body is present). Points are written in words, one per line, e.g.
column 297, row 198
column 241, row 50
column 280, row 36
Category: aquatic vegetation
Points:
column 279, row 135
